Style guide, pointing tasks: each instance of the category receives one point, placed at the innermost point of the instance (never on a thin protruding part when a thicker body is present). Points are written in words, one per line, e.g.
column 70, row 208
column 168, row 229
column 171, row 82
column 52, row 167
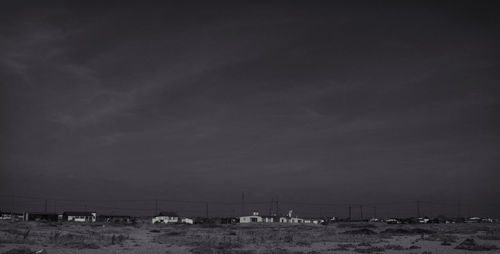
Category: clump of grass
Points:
column 406, row 231
column 441, row 237
column 218, row 247
column 394, row 247
column 303, row 243
column 356, row 225
column 19, row 250
column 117, row 239
column 282, row 251
column 344, row 247
column 363, row 231
column 470, row 244
column 490, row 236
column 369, row 250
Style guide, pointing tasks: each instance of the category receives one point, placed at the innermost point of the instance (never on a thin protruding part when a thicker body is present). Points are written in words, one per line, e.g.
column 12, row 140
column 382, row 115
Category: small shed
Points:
column 80, row 216
column 166, row 217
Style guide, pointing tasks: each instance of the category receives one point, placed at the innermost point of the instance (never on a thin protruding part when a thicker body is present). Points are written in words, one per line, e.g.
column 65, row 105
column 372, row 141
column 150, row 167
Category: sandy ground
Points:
column 250, row 238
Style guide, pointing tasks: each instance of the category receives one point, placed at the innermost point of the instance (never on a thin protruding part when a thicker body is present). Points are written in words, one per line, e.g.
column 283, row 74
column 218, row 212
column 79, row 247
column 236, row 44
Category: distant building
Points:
column 296, row 220
column 254, row 218
column 40, row 216
column 284, row 219
column 314, row 221
column 187, row 221
column 116, row 219
column 11, row 216
column 270, row 219
column 80, row 216
column 166, row 217
column 229, row 220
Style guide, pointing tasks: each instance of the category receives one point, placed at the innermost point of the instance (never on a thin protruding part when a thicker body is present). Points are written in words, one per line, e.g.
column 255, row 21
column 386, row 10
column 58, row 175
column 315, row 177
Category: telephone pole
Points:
column 350, row 213
column 418, row 208
column 206, row 210
column 156, row 207
column 361, row 211
column 277, row 207
column 242, row 203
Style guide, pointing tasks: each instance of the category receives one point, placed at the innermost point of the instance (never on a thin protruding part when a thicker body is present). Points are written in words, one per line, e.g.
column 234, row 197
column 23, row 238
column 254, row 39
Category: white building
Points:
column 270, row 219
column 284, row 219
column 296, row 220
column 166, row 217
column 251, row 218
column 80, row 216
column 187, row 221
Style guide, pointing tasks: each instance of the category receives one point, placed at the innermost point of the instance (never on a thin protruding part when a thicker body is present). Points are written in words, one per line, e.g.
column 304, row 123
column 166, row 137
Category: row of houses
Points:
column 289, row 218
column 70, row 216
column 174, row 218
column 161, row 218
column 169, row 217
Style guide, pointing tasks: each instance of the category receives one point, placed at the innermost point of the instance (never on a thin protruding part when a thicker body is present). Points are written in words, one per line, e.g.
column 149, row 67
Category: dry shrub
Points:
column 344, row 247
column 394, row 247
column 356, row 225
column 407, row 231
column 363, row 231
column 470, row 244
column 441, row 237
column 369, row 250
column 282, row 251
column 490, row 236
column 24, row 250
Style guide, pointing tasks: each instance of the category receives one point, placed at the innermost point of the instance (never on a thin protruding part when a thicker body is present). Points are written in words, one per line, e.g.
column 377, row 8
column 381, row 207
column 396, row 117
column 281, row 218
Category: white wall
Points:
column 248, row 219
column 164, row 219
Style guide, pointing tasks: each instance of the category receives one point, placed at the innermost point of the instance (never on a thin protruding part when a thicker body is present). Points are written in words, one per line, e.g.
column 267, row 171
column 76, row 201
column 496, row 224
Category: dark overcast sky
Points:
column 302, row 101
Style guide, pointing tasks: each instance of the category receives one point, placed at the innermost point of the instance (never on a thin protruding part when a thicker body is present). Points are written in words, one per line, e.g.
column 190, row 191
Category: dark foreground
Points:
column 23, row 237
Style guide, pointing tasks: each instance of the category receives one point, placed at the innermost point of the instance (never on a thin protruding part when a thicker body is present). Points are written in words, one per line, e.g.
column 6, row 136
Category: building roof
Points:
column 76, row 213
column 115, row 216
column 41, row 213
column 168, row 214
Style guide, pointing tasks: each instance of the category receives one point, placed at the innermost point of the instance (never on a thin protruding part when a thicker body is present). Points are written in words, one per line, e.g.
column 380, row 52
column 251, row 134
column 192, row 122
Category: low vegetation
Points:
column 247, row 238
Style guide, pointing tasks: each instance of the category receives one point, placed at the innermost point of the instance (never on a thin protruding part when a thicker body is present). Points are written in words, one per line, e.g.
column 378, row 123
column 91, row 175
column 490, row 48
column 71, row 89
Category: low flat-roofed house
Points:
column 28, row 216
column 124, row 219
column 296, row 220
column 187, row 221
column 284, row 219
column 270, row 219
column 80, row 216
column 229, row 220
column 166, row 217
column 254, row 218
column 314, row 221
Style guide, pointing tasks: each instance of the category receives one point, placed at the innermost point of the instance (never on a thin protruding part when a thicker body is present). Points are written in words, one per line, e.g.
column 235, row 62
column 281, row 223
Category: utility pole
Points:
column 350, row 213
column 418, row 208
column 361, row 211
column 242, row 203
column 45, row 210
column 12, row 201
column 271, row 208
column 277, row 207
column 156, row 207
column 206, row 210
